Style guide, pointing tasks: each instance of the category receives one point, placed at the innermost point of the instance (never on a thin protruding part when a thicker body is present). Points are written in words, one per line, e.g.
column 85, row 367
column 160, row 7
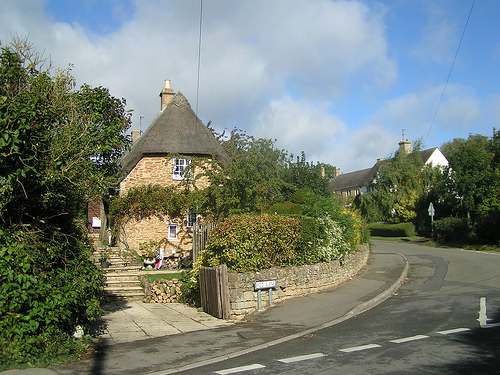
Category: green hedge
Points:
column 256, row 242
column 252, row 242
column 392, row 230
column 451, row 230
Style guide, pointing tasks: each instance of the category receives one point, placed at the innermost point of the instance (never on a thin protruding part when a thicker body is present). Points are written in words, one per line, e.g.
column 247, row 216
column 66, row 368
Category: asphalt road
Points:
column 444, row 320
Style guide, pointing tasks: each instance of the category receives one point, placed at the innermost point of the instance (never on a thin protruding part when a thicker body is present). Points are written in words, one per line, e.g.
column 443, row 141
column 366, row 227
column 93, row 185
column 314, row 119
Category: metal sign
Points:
column 265, row 284
column 431, row 210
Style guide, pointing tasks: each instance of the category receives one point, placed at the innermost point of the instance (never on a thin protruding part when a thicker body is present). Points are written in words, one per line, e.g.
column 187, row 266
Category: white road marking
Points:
column 236, row 370
column 301, row 358
column 408, row 339
column 359, row 348
column 491, row 325
column 482, row 319
column 452, row 331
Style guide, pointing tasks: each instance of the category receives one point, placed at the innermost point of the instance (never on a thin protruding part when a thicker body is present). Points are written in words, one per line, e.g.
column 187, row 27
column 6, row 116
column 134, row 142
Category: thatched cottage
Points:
column 176, row 130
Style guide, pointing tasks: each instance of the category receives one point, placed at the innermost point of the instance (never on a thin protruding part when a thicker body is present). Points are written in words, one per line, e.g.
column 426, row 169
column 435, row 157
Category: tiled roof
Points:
column 352, row 180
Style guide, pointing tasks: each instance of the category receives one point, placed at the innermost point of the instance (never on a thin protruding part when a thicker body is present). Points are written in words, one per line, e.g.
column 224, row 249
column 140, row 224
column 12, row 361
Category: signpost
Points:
column 262, row 285
column 432, row 212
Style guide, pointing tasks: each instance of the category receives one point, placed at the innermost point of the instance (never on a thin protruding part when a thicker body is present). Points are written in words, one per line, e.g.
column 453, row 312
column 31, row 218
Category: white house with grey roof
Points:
column 358, row 182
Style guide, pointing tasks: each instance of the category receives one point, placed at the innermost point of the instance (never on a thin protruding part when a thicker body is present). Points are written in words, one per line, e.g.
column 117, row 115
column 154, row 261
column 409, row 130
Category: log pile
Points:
column 164, row 291
column 170, row 263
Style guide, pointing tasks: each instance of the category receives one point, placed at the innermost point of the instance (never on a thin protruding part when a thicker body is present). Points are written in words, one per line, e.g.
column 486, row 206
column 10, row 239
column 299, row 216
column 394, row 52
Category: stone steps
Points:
column 122, row 278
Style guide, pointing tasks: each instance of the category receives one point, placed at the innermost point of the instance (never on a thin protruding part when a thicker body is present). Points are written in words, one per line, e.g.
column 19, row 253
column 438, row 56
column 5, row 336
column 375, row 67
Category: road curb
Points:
column 363, row 307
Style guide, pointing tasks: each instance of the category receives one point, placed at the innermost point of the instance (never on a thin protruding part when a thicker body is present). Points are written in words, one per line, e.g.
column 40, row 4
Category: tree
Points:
column 303, row 175
column 57, row 151
column 258, row 176
column 395, row 191
column 251, row 182
column 473, row 183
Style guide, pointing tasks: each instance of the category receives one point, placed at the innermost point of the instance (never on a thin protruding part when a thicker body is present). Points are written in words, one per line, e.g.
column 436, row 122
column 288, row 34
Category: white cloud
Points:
column 274, row 69
column 299, row 125
column 440, row 37
column 459, row 112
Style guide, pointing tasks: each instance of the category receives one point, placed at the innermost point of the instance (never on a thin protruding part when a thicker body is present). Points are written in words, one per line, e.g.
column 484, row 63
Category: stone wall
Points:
column 156, row 170
column 154, row 229
column 291, row 281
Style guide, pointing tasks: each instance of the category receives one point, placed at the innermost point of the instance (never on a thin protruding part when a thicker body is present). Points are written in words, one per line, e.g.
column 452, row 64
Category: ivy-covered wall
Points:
column 155, row 170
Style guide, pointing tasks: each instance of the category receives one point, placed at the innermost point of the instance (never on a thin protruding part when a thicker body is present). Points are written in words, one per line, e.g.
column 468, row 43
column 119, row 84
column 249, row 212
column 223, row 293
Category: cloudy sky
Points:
column 339, row 80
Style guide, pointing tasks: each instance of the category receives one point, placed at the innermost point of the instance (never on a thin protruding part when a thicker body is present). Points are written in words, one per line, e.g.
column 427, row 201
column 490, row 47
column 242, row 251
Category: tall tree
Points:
column 474, row 181
column 304, row 175
column 396, row 188
column 57, row 150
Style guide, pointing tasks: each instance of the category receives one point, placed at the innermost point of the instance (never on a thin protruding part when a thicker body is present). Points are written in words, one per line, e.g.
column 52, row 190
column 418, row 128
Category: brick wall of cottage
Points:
column 292, row 281
column 156, row 170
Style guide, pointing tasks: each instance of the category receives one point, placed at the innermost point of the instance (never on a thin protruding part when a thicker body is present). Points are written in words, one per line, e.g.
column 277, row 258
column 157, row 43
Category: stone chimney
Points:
column 166, row 94
column 134, row 135
column 336, row 172
column 405, row 147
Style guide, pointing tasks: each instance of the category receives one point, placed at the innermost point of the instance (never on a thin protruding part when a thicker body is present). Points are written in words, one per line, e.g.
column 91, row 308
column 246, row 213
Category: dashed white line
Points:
column 408, row 339
column 236, row 370
column 359, row 348
column 301, row 358
column 257, row 366
column 453, row 331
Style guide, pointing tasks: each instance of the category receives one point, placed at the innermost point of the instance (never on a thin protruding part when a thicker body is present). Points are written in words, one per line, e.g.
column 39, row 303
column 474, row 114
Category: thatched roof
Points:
column 175, row 130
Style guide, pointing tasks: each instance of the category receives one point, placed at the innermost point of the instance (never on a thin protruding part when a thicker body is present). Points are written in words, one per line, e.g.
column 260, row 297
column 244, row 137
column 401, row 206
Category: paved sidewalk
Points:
column 133, row 321
column 190, row 338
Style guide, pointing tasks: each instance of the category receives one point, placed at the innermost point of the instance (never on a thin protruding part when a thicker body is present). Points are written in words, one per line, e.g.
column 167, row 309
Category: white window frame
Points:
column 173, row 235
column 178, row 167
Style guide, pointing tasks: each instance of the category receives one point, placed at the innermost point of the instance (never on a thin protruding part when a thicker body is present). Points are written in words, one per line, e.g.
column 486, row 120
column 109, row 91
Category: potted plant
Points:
column 104, row 258
column 148, row 251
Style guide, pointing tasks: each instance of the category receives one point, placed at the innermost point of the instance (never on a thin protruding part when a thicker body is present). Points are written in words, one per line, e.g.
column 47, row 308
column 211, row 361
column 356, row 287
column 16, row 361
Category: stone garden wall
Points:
column 291, row 281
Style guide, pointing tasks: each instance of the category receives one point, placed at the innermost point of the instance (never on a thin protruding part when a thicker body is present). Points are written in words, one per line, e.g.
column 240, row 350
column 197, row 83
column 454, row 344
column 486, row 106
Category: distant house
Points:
column 176, row 130
column 358, row 182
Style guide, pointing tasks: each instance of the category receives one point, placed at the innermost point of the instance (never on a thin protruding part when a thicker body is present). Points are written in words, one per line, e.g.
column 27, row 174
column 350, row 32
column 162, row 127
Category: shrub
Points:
column 451, row 230
column 392, row 230
column 333, row 245
column 255, row 242
column 39, row 310
column 285, row 208
column 252, row 242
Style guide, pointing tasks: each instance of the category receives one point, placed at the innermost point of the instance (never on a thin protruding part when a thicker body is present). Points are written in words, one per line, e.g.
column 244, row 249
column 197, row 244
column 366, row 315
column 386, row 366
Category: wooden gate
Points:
column 200, row 235
column 214, row 291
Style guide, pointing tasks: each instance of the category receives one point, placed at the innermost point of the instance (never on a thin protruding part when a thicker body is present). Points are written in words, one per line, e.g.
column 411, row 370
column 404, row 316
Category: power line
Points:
column 199, row 58
column 451, row 69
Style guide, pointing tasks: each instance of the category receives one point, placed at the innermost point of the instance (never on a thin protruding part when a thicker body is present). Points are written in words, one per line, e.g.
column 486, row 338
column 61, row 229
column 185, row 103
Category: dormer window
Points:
column 180, row 165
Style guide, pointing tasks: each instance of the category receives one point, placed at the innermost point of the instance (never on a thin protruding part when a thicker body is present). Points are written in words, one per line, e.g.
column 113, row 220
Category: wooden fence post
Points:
column 200, row 235
column 214, row 291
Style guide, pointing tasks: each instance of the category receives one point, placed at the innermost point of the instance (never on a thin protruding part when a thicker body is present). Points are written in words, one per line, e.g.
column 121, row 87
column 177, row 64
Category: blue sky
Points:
column 339, row 80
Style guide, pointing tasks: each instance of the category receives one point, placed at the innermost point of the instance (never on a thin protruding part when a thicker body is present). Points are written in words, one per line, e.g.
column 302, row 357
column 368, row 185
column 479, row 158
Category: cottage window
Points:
column 179, row 168
column 172, row 231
